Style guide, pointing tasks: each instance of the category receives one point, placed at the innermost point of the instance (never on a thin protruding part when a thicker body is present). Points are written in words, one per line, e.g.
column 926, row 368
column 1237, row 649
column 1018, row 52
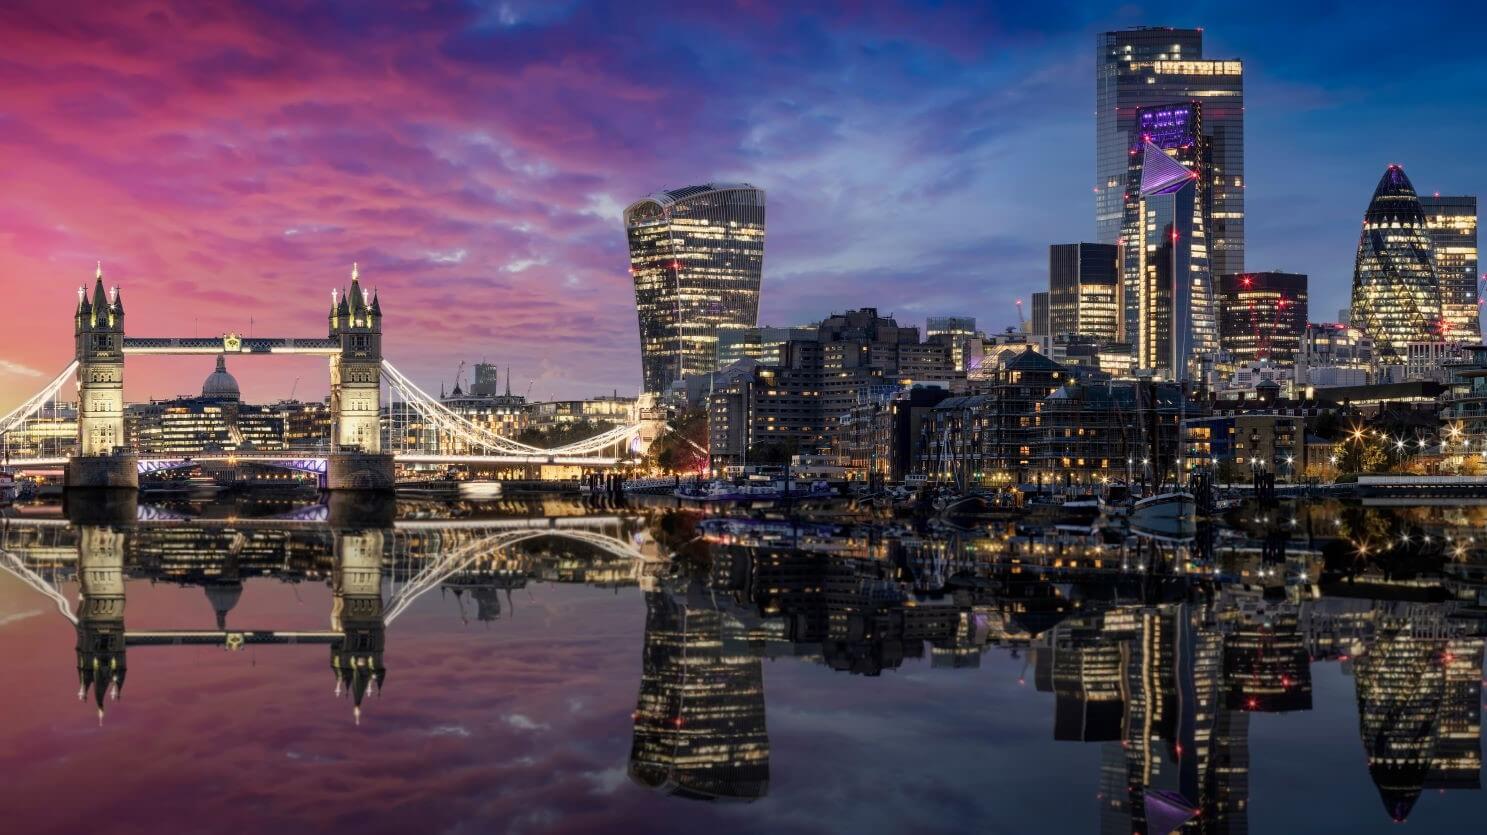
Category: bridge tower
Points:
column 357, row 461
column 103, row 459
column 100, row 613
column 356, row 613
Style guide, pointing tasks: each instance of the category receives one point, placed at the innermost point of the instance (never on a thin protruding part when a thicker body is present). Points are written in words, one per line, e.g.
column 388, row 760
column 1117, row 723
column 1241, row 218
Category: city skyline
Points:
column 266, row 154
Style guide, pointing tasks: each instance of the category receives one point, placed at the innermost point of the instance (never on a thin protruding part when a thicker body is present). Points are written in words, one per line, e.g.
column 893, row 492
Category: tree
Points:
column 681, row 449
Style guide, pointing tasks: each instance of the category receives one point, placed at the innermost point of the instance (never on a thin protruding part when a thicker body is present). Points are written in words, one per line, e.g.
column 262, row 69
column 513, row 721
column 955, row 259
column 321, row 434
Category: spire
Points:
column 344, row 308
column 118, row 301
column 98, row 271
column 376, row 305
column 358, row 299
column 508, row 381
column 100, row 302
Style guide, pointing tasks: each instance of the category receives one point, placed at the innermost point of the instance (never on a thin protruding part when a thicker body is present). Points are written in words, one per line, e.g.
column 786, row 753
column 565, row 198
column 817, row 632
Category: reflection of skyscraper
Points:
column 1401, row 687
column 1138, row 68
column 699, row 720
column 1170, row 314
column 696, row 256
column 1396, row 294
column 1457, row 761
column 1266, row 667
column 1452, row 223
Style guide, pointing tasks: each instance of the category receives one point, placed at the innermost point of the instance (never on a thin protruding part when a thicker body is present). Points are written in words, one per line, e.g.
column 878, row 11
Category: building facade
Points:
column 1452, row 225
column 1262, row 316
column 1136, row 68
column 696, row 257
column 795, row 404
column 762, row 343
column 1085, row 295
column 1041, row 323
column 1396, row 293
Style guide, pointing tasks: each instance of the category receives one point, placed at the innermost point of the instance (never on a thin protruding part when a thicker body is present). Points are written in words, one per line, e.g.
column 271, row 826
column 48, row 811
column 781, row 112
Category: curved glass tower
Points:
column 1396, row 294
column 696, row 255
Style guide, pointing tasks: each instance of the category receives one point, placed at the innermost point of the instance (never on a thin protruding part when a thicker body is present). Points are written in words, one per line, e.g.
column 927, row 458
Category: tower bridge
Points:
column 379, row 418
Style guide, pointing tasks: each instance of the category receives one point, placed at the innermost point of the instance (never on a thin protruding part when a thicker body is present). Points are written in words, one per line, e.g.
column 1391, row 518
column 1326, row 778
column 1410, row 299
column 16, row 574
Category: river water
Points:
column 554, row 666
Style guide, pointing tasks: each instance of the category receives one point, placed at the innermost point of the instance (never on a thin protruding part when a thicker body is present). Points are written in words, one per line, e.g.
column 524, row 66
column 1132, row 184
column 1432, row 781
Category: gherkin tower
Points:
column 1396, row 294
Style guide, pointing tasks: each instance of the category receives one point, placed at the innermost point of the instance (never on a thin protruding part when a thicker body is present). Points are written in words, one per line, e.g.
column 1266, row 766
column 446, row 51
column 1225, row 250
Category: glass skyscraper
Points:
column 1452, row 224
column 1396, row 294
column 1170, row 316
column 1136, row 68
column 696, row 255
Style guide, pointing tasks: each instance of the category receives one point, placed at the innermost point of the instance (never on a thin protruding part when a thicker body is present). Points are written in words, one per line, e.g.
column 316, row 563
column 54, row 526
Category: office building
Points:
column 215, row 421
column 1085, row 295
column 1040, row 315
column 761, row 343
column 1396, row 293
column 1334, row 354
column 1168, row 286
column 1137, row 68
column 1262, row 316
column 1452, row 225
column 696, row 257
column 957, row 331
column 487, row 380
column 949, row 326
column 795, row 404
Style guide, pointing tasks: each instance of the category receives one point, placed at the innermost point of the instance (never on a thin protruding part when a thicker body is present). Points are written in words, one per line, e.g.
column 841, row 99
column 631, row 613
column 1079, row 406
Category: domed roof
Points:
column 219, row 384
column 1394, row 199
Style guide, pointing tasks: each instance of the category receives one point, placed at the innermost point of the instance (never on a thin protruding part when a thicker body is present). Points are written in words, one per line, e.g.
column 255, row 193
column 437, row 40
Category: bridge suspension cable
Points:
column 19, row 414
column 440, row 418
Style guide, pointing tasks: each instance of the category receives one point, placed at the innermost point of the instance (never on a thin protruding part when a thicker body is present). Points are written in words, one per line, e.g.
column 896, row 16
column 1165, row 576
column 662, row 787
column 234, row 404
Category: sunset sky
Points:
column 227, row 163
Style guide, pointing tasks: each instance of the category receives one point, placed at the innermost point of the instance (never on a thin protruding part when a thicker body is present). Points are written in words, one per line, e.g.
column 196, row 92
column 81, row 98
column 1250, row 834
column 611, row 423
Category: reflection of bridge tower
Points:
column 98, row 329
column 356, row 613
column 100, row 614
column 699, row 724
column 356, row 392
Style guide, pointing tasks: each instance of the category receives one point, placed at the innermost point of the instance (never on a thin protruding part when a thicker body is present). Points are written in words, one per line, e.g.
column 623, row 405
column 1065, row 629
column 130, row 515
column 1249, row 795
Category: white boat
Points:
column 1168, row 513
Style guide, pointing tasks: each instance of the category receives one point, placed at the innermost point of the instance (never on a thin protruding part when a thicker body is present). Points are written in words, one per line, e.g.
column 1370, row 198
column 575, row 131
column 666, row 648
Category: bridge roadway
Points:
column 155, row 464
column 535, row 524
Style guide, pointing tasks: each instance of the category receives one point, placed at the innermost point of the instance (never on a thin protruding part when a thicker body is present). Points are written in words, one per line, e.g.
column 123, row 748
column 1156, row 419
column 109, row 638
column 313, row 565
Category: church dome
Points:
column 219, row 384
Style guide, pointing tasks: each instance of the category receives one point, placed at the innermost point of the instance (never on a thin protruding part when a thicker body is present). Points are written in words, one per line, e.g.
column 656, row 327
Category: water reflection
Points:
column 1157, row 651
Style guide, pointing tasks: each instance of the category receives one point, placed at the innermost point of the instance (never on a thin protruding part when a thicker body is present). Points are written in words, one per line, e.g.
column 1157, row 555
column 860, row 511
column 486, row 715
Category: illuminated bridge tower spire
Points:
column 356, row 392
column 98, row 331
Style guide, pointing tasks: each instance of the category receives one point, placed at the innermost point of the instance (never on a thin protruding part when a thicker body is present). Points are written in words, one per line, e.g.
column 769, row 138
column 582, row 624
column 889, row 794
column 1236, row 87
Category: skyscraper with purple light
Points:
column 1170, row 317
column 1137, row 68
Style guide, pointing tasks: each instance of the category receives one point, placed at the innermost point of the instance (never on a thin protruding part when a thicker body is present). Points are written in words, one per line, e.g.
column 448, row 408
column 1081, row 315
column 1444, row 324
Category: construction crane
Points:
column 294, row 388
column 458, row 375
column 1021, row 323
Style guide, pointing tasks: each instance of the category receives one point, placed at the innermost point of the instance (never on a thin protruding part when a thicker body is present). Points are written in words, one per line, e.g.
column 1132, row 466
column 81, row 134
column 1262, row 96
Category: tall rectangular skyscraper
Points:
column 1452, row 225
column 696, row 256
column 1136, row 68
column 1084, row 291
